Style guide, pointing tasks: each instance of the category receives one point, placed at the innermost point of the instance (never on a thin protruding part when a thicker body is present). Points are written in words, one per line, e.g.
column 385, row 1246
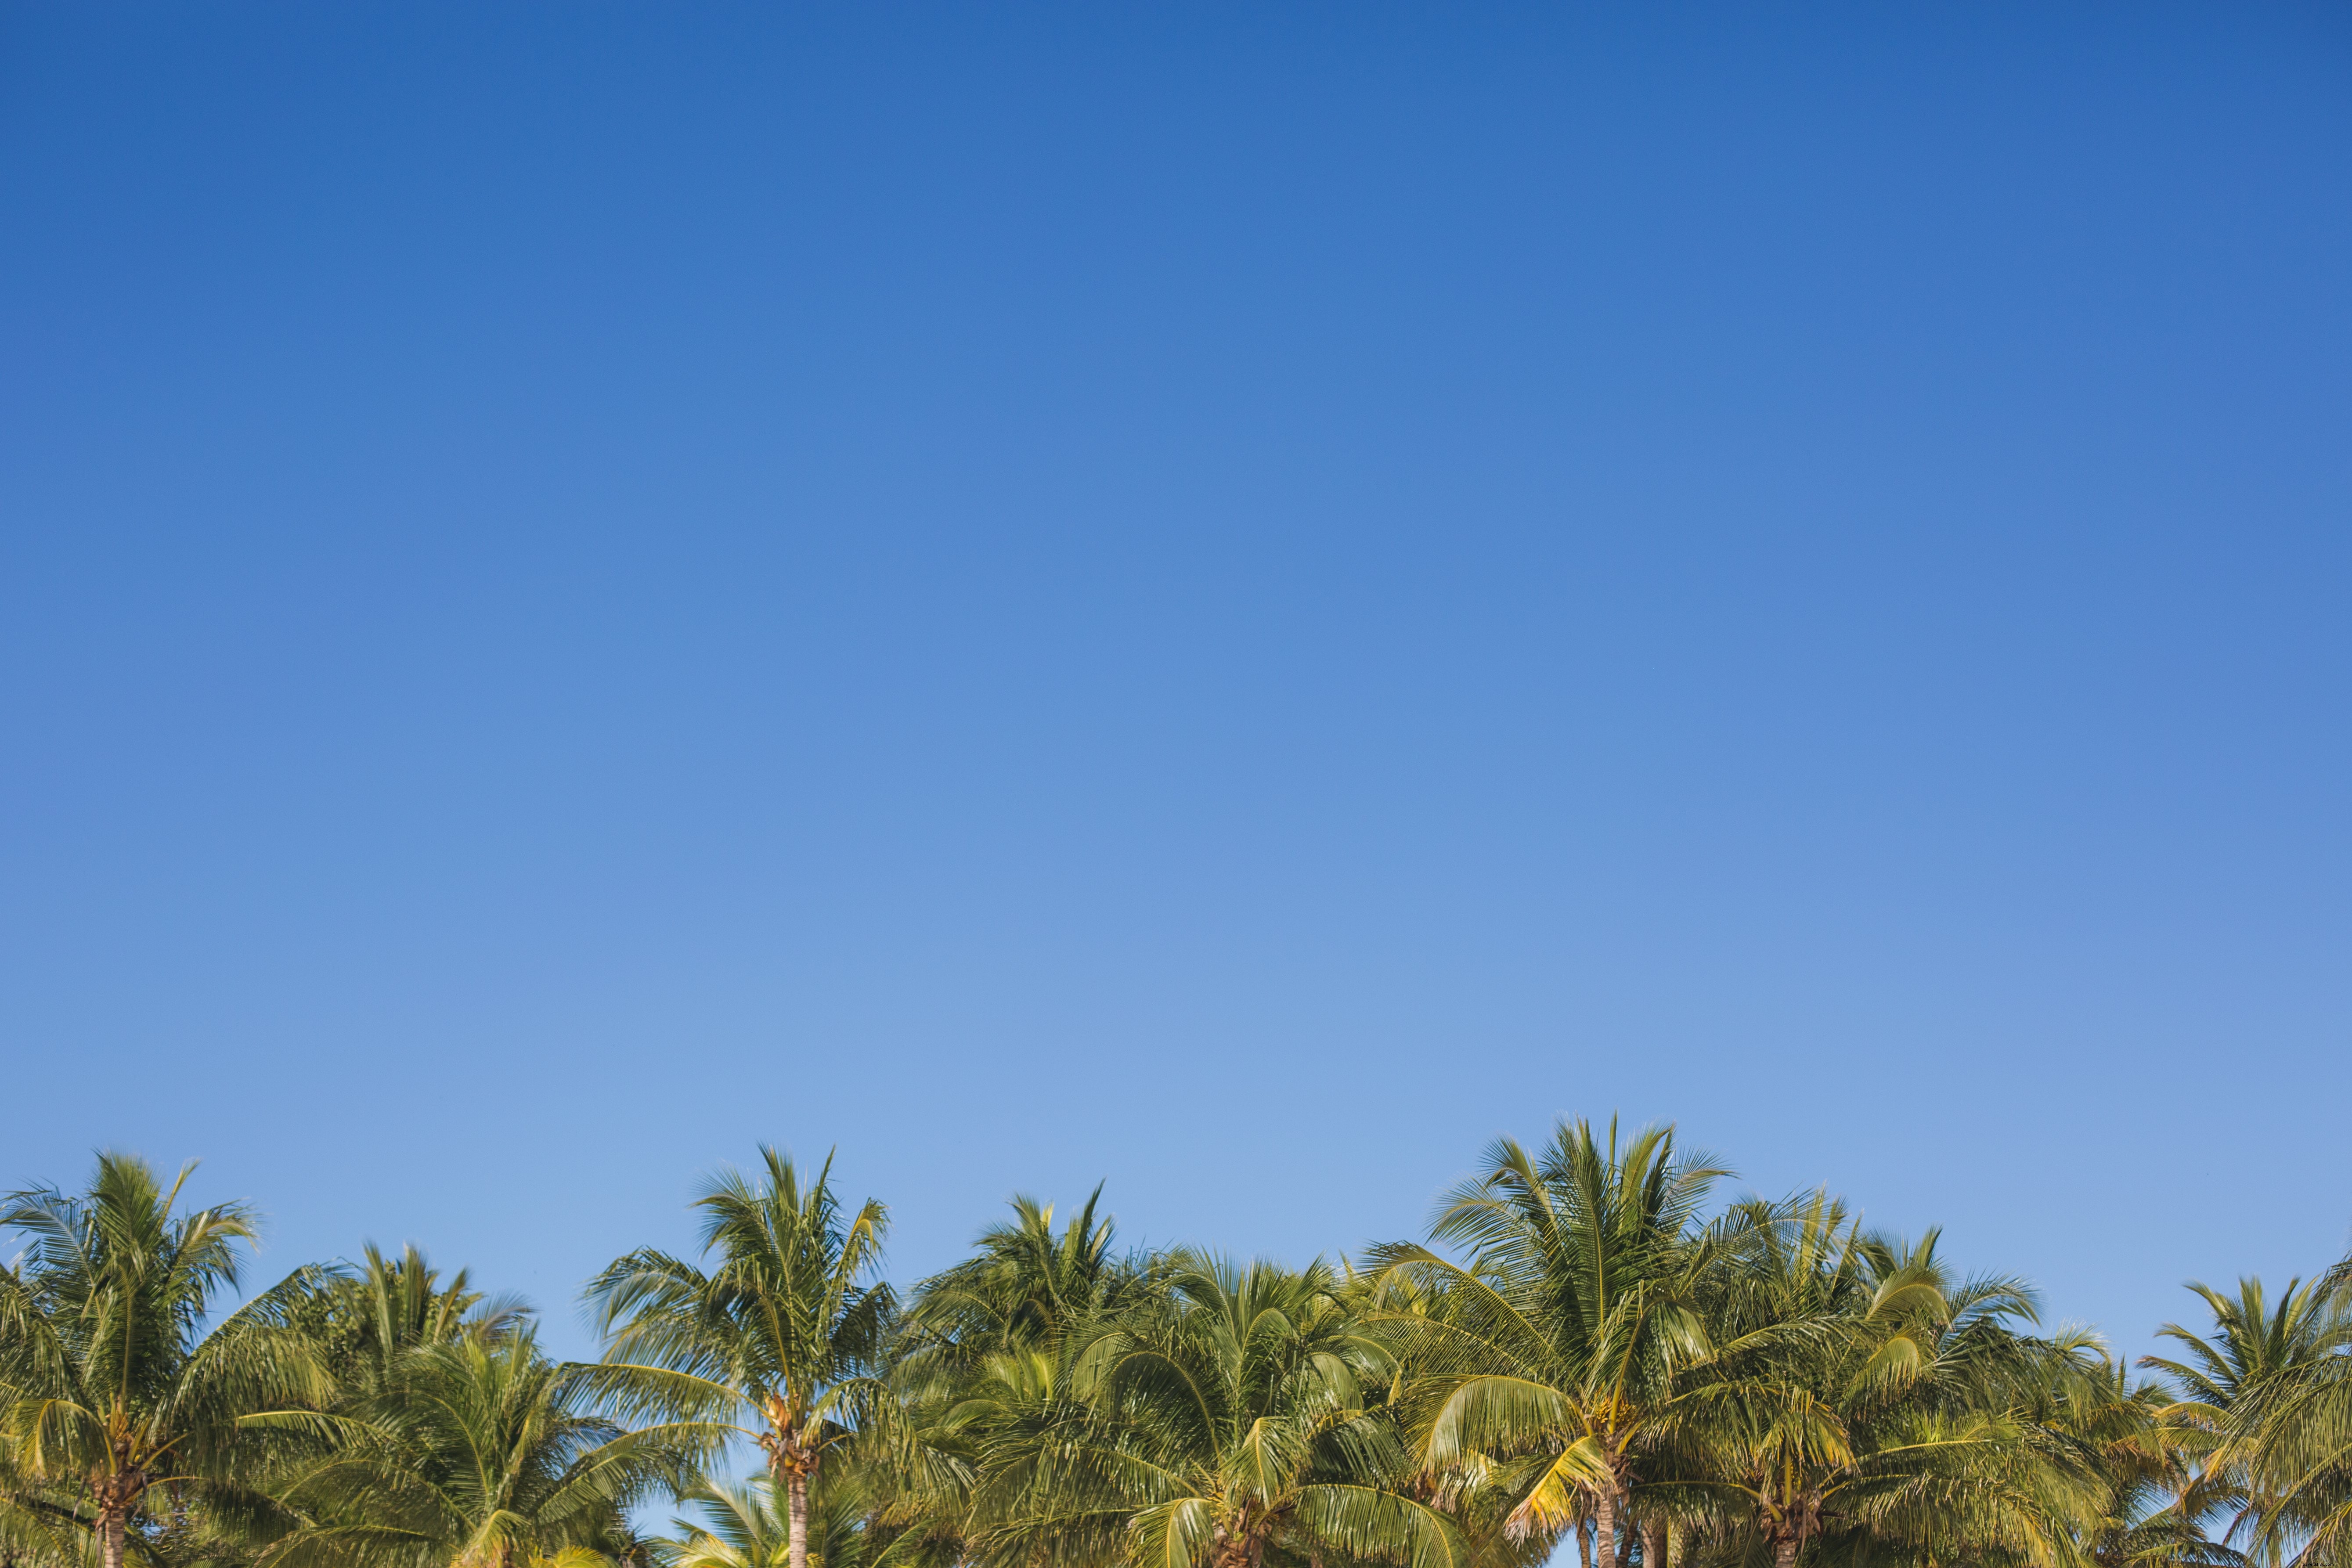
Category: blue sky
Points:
column 1231, row 600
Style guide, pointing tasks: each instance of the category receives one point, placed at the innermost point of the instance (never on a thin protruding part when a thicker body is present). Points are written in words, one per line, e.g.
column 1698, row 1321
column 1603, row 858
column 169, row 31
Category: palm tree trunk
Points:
column 1604, row 1527
column 1654, row 1543
column 115, row 1494
column 1784, row 1551
column 797, row 1518
column 1584, row 1541
column 111, row 1534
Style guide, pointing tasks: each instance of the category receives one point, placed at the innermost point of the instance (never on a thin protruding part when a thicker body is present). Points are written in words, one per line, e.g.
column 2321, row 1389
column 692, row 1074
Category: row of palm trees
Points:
column 1589, row 1355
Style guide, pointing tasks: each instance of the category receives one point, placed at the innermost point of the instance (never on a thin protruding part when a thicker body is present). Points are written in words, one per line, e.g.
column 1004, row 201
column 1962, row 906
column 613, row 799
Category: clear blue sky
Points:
column 1230, row 599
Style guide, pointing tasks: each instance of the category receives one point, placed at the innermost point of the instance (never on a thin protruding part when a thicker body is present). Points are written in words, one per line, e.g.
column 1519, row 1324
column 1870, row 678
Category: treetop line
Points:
column 1587, row 1354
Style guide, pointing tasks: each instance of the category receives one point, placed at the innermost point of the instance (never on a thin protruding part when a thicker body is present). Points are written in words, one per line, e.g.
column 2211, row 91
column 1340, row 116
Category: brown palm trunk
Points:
column 1604, row 1527
column 1784, row 1551
column 115, row 1494
column 1240, row 1545
column 797, row 1518
column 1654, row 1543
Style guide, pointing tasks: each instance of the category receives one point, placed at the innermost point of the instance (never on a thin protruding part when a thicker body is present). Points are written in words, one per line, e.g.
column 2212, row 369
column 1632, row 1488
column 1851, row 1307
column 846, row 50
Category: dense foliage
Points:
column 1589, row 1354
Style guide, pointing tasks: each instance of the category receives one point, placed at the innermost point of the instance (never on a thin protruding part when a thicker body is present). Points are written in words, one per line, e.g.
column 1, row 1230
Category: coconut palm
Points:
column 734, row 1525
column 2294, row 1443
column 978, row 1341
column 2254, row 1351
column 364, row 1322
column 1862, row 1396
column 476, row 1452
column 2251, row 1342
column 2155, row 1501
column 745, row 1524
column 39, row 1524
column 1549, row 1363
column 2274, row 1388
column 781, row 1341
column 1026, row 1285
column 112, row 1386
column 1224, row 1419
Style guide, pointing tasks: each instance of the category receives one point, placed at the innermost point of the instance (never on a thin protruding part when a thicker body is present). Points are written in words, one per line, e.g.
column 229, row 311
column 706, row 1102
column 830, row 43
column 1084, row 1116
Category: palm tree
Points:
column 2250, row 1343
column 1222, row 1418
column 745, row 1524
column 981, row 1338
column 2155, row 1500
column 477, row 1451
column 2217, row 1381
column 738, row 1524
column 1548, row 1362
column 365, row 1322
column 1026, row 1286
column 786, row 1334
column 110, row 1384
column 1859, row 1395
column 38, row 1522
column 2270, row 1390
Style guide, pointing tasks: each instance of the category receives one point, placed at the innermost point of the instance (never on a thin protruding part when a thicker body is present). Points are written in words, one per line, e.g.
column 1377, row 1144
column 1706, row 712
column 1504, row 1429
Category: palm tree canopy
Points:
column 789, row 1315
column 1559, row 1341
column 1587, row 1351
column 110, row 1379
column 480, row 1452
column 1024, row 1286
column 1223, row 1417
column 2251, row 1342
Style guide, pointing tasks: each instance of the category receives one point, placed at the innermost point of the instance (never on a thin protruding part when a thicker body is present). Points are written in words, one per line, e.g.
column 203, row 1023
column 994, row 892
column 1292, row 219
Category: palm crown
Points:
column 1223, row 1417
column 1550, row 1360
column 781, row 1341
column 113, row 1387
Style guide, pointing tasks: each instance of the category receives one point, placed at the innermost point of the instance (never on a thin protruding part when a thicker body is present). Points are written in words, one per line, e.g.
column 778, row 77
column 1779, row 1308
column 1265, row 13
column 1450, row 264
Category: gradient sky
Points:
column 1229, row 599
